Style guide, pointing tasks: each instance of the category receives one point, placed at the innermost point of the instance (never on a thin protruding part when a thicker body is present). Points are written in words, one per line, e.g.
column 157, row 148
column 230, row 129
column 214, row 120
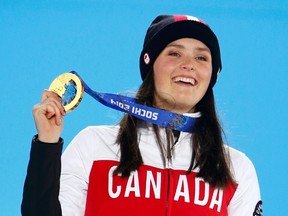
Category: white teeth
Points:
column 185, row 79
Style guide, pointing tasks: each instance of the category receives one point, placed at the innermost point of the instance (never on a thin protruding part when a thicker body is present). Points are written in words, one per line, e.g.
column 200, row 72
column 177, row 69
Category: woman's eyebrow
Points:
column 199, row 48
column 203, row 49
column 175, row 45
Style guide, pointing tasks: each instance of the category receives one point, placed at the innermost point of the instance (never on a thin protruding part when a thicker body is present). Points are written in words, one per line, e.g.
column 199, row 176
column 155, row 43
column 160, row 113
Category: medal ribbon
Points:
column 150, row 114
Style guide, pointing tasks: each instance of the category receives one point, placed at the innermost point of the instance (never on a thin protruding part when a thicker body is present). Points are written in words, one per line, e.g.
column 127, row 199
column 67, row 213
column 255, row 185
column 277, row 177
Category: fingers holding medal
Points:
column 48, row 117
column 64, row 94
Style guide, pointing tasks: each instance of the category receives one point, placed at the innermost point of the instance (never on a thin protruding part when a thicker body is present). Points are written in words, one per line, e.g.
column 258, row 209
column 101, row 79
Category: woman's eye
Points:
column 174, row 54
column 202, row 58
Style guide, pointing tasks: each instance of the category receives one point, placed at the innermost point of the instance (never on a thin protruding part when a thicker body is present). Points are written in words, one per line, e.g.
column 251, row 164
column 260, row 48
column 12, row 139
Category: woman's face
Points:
column 182, row 74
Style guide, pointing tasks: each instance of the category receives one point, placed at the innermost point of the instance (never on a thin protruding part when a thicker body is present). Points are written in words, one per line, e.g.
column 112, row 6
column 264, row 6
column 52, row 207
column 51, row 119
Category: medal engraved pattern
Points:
column 70, row 88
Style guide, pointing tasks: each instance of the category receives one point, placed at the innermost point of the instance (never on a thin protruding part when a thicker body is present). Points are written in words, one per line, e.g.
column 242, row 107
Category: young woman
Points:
column 138, row 168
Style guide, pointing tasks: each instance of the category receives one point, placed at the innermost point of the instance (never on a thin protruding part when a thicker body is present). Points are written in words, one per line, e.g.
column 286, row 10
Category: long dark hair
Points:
column 209, row 153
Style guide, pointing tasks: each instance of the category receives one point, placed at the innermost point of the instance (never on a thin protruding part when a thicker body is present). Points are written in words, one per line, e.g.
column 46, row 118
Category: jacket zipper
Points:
column 168, row 192
column 168, row 211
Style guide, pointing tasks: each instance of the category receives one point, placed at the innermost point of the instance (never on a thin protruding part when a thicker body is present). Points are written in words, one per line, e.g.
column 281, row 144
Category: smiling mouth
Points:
column 185, row 80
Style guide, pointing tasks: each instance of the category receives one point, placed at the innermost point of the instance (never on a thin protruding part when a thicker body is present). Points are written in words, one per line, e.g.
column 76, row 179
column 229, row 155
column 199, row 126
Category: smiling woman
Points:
column 182, row 72
column 140, row 168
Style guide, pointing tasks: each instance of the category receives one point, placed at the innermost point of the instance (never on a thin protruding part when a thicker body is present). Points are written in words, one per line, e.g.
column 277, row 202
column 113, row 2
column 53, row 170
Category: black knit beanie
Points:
column 167, row 28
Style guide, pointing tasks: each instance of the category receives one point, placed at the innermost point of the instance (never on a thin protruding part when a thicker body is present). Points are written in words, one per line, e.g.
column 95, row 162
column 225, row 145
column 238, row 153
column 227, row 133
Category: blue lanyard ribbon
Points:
column 150, row 114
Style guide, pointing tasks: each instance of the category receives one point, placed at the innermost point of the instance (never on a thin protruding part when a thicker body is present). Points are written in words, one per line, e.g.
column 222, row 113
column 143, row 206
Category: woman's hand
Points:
column 48, row 116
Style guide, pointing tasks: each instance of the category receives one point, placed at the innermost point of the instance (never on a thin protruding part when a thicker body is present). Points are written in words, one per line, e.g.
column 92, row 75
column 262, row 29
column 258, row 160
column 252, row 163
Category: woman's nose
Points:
column 188, row 65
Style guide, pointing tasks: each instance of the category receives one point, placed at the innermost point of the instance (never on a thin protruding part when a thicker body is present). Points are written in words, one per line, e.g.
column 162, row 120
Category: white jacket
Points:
column 87, row 180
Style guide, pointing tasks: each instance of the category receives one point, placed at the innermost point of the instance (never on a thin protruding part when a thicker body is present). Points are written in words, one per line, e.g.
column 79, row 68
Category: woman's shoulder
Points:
column 94, row 137
column 241, row 165
column 99, row 131
column 247, row 196
column 236, row 154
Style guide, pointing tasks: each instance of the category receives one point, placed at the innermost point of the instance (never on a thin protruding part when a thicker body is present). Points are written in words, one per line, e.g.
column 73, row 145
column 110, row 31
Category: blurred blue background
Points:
column 102, row 39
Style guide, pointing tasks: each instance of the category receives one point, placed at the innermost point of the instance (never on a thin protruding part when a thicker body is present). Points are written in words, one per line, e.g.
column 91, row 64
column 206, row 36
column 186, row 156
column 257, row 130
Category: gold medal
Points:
column 70, row 88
